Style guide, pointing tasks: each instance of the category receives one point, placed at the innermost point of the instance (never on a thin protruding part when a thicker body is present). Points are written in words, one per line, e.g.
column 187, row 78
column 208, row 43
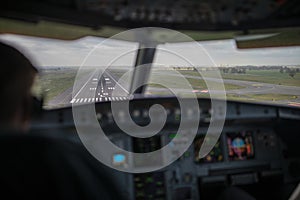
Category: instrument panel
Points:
column 250, row 149
column 242, row 156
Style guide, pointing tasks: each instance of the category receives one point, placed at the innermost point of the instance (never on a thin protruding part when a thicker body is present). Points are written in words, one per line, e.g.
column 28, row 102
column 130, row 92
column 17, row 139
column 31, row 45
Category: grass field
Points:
column 270, row 97
column 261, row 76
column 266, row 76
column 200, row 84
column 267, row 98
column 117, row 72
column 197, row 84
column 53, row 82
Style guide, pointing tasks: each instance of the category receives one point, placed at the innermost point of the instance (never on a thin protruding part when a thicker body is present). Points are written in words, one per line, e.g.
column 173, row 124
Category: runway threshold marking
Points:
column 294, row 104
column 91, row 100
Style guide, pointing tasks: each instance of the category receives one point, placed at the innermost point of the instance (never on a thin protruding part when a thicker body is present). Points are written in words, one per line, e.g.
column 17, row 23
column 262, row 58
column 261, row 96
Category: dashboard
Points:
column 257, row 148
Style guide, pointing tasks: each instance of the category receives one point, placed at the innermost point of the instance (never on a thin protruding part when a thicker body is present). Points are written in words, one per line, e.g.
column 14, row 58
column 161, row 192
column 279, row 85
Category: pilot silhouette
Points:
column 17, row 75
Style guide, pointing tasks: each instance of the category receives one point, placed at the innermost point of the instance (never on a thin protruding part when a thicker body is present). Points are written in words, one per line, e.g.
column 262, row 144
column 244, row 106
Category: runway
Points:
column 97, row 86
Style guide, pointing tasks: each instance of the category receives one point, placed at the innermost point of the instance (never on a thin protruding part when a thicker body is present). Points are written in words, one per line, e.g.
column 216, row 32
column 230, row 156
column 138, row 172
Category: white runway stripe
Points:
column 100, row 99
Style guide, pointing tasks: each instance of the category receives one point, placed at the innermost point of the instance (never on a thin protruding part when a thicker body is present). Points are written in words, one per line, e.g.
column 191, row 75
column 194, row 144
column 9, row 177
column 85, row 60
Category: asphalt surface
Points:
column 97, row 86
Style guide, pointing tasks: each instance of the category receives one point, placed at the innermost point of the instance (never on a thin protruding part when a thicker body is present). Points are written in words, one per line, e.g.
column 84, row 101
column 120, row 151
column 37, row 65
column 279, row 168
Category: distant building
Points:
column 184, row 68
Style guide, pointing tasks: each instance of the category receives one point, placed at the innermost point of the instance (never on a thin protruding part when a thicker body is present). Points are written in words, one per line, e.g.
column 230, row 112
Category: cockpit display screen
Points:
column 240, row 146
column 215, row 155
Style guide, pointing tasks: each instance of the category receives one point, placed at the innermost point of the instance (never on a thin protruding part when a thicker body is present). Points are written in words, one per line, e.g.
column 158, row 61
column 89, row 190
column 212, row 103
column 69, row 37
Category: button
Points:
column 187, row 178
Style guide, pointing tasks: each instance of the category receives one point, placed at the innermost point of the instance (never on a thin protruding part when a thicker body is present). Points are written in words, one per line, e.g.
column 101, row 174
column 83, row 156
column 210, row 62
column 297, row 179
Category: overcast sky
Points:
column 50, row 52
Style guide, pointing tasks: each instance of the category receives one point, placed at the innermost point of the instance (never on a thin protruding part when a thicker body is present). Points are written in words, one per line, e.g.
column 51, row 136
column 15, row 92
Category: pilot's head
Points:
column 16, row 78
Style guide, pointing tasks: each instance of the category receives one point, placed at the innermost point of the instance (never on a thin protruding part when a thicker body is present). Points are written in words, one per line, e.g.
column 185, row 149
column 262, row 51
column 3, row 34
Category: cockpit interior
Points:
column 229, row 130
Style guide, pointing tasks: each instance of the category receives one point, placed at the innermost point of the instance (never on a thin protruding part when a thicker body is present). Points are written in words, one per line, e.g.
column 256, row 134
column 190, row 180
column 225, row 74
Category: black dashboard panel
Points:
column 180, row 15
column 257, row 147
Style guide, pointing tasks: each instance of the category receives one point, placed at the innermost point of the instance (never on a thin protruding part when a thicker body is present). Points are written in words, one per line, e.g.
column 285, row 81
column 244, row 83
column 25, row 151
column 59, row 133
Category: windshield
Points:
column 261, row 75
